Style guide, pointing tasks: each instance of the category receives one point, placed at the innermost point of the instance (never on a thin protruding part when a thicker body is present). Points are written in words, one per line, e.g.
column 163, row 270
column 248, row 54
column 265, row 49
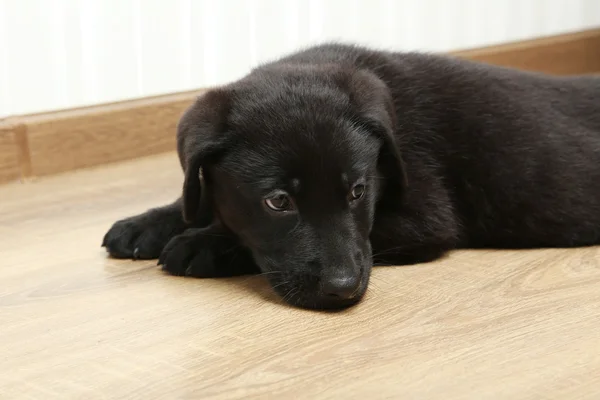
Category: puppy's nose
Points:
column 342, row 287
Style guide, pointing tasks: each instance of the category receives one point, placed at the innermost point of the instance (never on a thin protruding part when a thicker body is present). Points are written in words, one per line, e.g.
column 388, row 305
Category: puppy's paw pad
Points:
column 186, row 255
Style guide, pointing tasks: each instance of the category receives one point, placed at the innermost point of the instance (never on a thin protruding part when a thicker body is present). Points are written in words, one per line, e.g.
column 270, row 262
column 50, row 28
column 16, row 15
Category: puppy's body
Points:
column 486, row 157
column 494, row 157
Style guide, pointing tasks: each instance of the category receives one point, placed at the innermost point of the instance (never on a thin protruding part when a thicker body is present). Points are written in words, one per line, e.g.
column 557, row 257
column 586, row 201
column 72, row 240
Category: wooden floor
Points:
column 75, row 324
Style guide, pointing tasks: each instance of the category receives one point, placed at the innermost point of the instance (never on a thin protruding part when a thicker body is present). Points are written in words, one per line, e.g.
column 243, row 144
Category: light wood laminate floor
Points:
column 75, row 324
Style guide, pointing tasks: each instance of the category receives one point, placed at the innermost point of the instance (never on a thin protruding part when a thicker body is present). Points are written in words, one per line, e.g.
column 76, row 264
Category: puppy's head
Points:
column 294, row 160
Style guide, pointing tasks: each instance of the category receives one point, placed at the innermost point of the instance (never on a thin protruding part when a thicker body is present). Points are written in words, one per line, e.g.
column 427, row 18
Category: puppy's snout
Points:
column 342, row 278
column 341, row 286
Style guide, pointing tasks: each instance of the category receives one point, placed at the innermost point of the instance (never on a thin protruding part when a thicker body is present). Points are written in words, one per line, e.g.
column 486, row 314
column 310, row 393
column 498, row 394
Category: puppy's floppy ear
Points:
column 200, row 140
column 373, row 105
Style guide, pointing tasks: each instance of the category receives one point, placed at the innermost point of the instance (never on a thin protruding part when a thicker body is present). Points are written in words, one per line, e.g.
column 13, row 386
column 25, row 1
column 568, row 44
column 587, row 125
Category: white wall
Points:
column 57, row 54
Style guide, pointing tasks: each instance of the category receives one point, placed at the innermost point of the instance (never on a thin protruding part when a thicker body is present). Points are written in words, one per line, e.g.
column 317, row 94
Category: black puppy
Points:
column 314, row 167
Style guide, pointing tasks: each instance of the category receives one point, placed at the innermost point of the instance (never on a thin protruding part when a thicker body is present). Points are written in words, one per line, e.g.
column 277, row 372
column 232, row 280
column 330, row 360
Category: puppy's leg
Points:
column 144, row 236
column 206, row 253
column 411, row 254
column 406, row 240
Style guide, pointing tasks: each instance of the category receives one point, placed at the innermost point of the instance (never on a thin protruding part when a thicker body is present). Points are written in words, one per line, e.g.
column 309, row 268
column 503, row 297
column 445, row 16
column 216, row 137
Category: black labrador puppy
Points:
column 316, row 166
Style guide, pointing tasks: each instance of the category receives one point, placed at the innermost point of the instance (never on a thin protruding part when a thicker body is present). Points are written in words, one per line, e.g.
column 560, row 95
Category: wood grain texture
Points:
column 75, row 324
column 10, row 169
column 567, row 54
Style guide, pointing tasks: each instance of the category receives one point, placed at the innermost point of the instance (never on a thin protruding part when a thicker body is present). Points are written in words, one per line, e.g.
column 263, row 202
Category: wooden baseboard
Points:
column 10, row 166
column 50, row 143
column 63, row 141
column 567, row 54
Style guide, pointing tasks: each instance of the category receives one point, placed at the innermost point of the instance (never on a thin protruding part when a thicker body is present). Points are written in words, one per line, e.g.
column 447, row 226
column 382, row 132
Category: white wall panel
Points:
column 5, row 93
column 110, row 48
column 163, row 46
column 34, row 61
column 57, row 54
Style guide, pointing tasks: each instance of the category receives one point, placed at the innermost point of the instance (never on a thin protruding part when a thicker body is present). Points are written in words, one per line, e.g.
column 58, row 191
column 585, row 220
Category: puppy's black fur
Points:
column 374, row 157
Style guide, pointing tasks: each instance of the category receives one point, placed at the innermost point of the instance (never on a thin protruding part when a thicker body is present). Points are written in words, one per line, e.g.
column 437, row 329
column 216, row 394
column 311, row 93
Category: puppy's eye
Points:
column 357, row 192
column 279, row 201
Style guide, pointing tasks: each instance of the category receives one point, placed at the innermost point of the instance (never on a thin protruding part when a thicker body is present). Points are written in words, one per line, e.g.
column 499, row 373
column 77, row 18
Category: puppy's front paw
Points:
column 145, row 235
column 132, row 238
column 190, row 254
